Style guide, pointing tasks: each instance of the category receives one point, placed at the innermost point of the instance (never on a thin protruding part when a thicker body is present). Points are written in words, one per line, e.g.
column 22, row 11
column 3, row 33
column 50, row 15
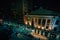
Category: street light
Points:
column 42, row 28
column 39, row 26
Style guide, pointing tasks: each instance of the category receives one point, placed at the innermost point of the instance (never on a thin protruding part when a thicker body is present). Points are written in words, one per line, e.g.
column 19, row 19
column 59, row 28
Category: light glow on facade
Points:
column 39, row 26
column 42, row 28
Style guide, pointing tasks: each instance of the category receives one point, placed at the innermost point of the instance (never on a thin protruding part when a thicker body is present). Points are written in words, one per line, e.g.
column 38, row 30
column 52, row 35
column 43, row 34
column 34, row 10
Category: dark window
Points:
column 46, row 27
column 35, row 20
column 32, row 23
column 43, row 22
column 48, row 21
column 39, row 21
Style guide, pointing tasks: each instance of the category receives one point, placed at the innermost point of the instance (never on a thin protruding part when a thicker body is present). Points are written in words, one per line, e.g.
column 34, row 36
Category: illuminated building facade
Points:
column 42, row 25
column 42, row 22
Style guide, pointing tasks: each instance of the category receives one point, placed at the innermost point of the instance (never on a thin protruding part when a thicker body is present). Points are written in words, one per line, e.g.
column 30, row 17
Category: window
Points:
column 43, row 22
column 36, row 20
column 47, row 27
column 48, row 22
column 39, row 21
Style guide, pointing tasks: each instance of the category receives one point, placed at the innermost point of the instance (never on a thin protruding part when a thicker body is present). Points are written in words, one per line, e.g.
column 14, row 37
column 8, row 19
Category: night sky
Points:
column 11, row 7
column 48, row 4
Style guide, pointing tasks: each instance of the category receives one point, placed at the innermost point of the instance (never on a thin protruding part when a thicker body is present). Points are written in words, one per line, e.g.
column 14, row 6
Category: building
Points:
column 44, row 22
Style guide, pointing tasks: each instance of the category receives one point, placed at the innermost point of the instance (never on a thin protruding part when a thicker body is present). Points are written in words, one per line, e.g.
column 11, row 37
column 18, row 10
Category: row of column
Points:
column 47, row 34
column 41, row 32
column 41, row 25
column 39, row 28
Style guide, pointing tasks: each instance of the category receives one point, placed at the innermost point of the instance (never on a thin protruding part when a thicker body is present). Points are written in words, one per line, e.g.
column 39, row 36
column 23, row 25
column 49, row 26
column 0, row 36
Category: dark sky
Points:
column 50, row 4
column 5, row 5
column 53, row 5
column 9, row 9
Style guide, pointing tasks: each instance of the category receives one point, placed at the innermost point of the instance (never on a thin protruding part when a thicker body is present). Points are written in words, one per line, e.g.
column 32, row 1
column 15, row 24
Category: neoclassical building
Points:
column 43, row 22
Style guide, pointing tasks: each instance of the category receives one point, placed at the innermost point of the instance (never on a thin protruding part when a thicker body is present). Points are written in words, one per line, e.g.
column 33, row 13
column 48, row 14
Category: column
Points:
column 45, row 23
column 34, row 25
column 50, row 24
column 43, row 33
column 48, row 34
column 37, row 22
column 41, row 21
column 30, row 22
column 40, row 32
column 37, row 26
column 26, row 23
column 36, row 31
column 34, row 22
